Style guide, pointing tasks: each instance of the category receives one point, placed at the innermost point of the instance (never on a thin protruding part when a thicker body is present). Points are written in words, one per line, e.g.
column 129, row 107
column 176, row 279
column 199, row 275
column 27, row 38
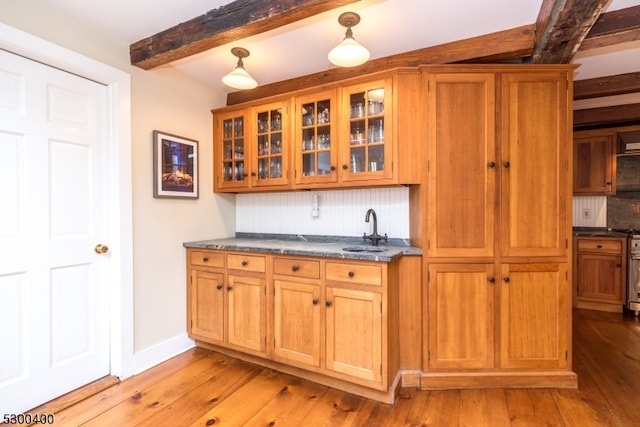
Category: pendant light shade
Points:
column 349, row 53
column 239, row 78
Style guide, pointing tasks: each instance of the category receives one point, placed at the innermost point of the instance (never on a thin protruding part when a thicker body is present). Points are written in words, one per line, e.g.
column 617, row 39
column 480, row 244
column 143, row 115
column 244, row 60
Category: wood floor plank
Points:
column 532, row 407
column 484, row 408
column 190, row 406
column 333, row 408
column 290, row 406
column 242, row 405
column 93, row 406
column 439, row 408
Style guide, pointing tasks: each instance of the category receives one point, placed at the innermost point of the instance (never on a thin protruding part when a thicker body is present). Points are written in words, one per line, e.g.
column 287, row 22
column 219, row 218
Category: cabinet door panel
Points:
column 534, row 316
column 354, row 333
column 593, row 165
column 230, row 159
column 600, row 278
column 534, row 164
column 297, row 322
column 246, row 308
column 207, row 305
column 461, row 183
column 460, row 316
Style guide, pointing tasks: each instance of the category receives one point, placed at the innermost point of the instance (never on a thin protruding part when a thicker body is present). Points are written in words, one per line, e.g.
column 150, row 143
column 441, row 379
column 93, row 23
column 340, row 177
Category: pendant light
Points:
column 349, row 53
column 239, row 78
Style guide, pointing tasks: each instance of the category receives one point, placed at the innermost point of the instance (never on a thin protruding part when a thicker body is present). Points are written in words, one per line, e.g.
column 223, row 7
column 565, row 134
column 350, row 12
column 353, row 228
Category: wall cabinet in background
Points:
column 594, row 160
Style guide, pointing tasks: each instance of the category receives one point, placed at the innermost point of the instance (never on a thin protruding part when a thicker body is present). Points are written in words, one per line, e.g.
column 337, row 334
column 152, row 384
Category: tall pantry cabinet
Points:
column 497, row 301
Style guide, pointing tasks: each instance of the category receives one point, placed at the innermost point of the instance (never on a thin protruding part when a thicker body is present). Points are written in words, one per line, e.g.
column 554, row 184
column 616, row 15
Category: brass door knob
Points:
column 101, row 249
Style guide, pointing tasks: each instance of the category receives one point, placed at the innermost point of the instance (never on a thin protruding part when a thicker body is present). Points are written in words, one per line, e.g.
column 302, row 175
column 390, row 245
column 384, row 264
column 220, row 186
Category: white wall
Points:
column 166, row 100
column 341, row 212
column 590, row 211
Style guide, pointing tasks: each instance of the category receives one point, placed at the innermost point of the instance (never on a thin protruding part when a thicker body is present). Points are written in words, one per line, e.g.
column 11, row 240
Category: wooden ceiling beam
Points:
column 561, row 27
column 616, row 27
column 606, row 116
column 606, row 86
column 503, row 45
column 234, row 21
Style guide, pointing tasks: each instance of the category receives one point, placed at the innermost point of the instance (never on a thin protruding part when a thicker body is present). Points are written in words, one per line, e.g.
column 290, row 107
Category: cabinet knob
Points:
column 506, row 279
column 295, row 268
column 315, row 301
column 491, row 279
column 205, row 259
column 332, row 168
column 254, row 174
column 599, row 246
column 351, row 274
column 327, row 303
column 506, row 164
column 244, row 263
column 219, row 287
column 229, row 287
column 345, row 167
column 491, row 164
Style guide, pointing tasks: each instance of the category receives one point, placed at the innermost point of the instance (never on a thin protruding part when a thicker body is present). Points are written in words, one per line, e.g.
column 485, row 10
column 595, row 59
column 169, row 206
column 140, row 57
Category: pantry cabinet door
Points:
column 461, row 165
column 206, row 299
column 246, row 311
column 534, row 164
column 535, row 316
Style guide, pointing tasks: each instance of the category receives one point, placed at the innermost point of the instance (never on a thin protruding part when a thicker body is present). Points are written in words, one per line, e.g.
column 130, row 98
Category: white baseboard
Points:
column 152, row 356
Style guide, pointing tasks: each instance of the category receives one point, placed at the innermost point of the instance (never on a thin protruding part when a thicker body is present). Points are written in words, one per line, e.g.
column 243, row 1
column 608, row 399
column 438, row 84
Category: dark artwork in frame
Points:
column 175, row 166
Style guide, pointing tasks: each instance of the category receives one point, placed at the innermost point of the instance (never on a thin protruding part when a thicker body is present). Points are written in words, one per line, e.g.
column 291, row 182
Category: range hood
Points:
column 629, row 143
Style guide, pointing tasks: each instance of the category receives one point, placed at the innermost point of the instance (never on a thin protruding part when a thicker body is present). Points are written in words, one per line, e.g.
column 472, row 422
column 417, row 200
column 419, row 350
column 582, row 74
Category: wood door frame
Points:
column 118, row 127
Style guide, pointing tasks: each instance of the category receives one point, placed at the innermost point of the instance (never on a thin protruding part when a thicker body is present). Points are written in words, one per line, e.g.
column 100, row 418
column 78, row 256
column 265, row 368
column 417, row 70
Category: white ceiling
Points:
column 387, row 27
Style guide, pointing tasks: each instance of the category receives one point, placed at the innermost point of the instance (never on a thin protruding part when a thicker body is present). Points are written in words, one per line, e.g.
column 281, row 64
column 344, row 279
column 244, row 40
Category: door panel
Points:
column 54, row 285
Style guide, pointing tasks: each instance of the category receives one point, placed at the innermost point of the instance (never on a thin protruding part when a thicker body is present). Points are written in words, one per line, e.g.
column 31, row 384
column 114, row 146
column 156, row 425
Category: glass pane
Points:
column 323, row 111
column 239, row 149
column 375, row 104
column 227, row 171
column 357, row 105
column 308, row 164
column 358, row 160
column 276, row 167
column 263, row 122
column 376, row 158
column 238, row 127
column 239, row 171
column 276, row 143
column 227, row 126
column 276, row 120
column 227, row 149
column 357, row 132
column 308, row 139
column 263, row 145
column 308, row 114
column 324, row 163
column 324, row 139
column 263, row 168
column 376, row 130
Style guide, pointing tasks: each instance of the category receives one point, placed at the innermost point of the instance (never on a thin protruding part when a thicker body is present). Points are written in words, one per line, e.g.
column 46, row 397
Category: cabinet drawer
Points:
column 613, row 246
column 297, row 267
column 207, row 259
column 366, row 274
column 243, row 262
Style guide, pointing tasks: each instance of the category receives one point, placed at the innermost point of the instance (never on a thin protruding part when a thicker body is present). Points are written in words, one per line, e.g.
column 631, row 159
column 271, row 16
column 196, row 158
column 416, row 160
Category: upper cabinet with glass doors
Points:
column 230, row 148
column 271, row 145
column 314, row 138
column 366, row 132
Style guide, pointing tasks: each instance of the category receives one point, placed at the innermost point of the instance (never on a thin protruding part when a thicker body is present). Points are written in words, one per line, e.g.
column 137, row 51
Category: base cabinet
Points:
column 331, row 318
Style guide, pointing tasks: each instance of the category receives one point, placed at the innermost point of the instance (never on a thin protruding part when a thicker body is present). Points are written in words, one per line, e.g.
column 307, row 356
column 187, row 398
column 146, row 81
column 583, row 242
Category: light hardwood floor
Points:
column 201, row 387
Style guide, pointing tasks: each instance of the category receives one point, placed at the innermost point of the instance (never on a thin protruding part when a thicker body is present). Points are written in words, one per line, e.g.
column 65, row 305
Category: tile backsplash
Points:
column 341, row 212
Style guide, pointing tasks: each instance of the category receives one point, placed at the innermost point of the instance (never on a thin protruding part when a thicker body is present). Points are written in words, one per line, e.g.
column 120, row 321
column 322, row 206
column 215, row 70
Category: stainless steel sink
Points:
column 363, row 249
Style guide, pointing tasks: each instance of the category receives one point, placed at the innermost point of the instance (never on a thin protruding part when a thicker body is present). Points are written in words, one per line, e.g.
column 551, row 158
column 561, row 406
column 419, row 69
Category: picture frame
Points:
column 175, row 166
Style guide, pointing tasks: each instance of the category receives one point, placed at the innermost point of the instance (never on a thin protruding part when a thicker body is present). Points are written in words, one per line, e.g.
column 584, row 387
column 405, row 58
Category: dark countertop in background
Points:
column 317, row 246
column 597, row 232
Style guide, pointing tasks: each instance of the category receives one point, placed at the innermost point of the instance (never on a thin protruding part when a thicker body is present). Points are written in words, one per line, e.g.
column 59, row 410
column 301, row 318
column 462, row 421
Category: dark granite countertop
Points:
column 317, row 246
column 597, row 232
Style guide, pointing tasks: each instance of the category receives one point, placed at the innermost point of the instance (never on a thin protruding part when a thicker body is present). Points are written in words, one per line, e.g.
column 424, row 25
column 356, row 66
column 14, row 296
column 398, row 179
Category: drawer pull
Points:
column 491, row 279
column 295, row 268
column 599, row 246
column 205, row 259
column 351, row 274
column 244, row 263
column 219, row 287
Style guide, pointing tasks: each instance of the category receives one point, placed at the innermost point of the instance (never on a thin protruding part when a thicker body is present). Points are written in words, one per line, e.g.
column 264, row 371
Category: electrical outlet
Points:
column 586, row 213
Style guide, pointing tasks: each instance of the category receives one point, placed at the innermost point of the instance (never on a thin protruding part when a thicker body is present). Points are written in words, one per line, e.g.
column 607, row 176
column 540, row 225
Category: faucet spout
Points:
column 374, row 237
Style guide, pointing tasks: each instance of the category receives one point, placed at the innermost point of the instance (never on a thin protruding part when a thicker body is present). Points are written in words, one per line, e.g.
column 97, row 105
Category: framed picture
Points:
column 175, row 166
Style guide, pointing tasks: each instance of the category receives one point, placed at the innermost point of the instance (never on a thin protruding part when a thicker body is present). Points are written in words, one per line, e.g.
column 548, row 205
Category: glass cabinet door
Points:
column 314, row 138
column 367, row 135
column 270, row 147
column 232, row 171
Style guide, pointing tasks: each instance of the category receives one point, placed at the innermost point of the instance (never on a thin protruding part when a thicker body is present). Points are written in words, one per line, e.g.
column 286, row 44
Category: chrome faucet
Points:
column 374, row 237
